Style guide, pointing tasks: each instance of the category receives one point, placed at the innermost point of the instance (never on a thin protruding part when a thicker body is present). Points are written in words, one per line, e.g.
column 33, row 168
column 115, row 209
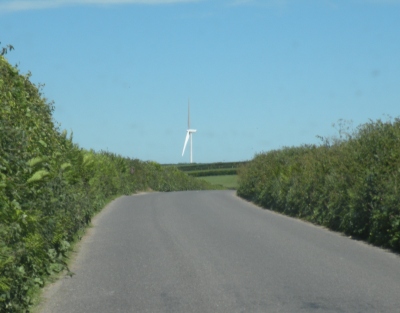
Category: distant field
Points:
column 227, row 181
column 219, row 173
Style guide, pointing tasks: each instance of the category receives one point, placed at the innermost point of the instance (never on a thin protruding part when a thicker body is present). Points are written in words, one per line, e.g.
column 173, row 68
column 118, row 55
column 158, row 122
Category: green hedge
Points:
column 214, row 172
column 50, row 188
column 209, row 166
column 349, row 184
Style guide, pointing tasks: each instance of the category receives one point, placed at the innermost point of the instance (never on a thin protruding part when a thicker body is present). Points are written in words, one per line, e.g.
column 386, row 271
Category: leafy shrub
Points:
column 349, row 184
column 50, row 188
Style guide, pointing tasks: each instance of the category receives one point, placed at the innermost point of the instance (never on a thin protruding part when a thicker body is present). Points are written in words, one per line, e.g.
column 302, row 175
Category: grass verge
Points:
column 227, row 181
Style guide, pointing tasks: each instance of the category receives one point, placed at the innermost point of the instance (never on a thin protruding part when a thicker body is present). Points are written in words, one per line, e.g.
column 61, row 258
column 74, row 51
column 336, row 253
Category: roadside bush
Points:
column 50, row 188
column 349, row 184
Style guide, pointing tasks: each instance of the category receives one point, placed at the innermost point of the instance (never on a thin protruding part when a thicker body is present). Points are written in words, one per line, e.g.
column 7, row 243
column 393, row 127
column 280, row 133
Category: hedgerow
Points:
column 209, row 166
column 349, row 184
column 50, row 188
column 213, row 172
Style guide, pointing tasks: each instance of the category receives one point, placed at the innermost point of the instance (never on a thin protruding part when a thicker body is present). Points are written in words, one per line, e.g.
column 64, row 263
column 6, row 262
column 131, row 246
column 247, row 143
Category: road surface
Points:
column 210, row 251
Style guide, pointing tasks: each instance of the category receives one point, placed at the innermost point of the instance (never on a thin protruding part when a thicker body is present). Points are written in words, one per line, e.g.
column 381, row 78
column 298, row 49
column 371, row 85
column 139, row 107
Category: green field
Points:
column 223, row 174
column 227, row 181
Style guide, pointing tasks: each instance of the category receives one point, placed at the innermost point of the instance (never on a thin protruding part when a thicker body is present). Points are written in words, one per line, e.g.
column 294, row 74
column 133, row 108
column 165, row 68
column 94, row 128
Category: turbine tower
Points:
column 189, row 133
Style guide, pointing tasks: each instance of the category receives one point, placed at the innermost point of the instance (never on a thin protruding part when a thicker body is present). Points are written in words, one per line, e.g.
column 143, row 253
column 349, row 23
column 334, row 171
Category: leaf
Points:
column 37, row 176
column 35, row 161
column 16, row 205
column 88, row 159
column 43, row 143
column 4, row 285
column 3, row 181
column 38, row 281
column 65, row 166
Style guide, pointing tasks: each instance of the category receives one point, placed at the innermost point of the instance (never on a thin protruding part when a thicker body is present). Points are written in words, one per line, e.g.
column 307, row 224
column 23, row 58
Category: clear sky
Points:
column 260, row 75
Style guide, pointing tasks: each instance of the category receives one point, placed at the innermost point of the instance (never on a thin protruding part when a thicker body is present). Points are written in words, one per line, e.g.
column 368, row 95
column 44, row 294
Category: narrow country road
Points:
column 210, row 251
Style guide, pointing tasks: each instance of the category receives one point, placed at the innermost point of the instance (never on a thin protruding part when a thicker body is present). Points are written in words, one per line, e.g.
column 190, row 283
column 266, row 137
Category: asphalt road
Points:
column 209, row 251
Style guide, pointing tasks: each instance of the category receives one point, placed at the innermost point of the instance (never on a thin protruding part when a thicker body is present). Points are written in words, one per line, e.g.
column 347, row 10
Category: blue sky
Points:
column 260, row 75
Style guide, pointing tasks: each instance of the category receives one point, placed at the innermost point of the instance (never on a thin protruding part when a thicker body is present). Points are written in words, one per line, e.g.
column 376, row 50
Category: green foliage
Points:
column 210, row 166
column 213, row 172
column 50, row 188
column 349, row 184
column 211, row 169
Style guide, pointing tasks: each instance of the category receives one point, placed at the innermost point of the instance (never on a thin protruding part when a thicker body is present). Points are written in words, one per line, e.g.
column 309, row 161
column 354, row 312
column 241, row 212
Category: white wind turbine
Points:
column 189, row 133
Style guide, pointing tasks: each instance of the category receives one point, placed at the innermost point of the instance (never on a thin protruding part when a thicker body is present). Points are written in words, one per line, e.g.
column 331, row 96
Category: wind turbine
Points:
column 189, row 133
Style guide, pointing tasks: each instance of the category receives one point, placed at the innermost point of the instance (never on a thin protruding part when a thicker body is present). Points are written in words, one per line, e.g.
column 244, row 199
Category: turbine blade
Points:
column 186, row 141
column 188, row 114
